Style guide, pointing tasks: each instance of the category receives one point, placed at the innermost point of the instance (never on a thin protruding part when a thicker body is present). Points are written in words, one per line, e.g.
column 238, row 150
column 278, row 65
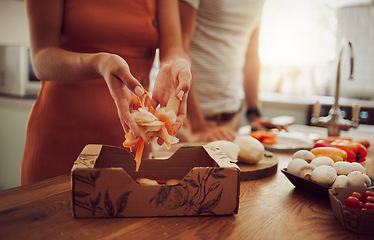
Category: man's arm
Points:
column 195, row 116
column 196, row 120
column 251, row 81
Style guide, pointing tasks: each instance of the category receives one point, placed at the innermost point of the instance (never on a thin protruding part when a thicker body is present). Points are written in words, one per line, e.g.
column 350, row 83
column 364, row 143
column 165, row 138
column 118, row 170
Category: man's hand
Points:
column 213, row 134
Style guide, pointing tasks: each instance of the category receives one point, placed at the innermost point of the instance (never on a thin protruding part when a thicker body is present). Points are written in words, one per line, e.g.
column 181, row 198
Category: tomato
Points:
column 366, row 194
column 357, row 195
column 369, row 199
column 352, row 202
column 368, row 206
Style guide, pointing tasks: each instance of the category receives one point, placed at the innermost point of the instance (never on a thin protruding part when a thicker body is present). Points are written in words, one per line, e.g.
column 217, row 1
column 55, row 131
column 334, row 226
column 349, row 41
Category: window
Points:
column 297, row 46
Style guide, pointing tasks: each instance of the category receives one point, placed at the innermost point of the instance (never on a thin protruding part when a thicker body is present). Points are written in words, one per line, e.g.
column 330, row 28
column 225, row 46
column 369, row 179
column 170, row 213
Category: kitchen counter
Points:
column 269, row 208
column 300, row 107
column 278, row 98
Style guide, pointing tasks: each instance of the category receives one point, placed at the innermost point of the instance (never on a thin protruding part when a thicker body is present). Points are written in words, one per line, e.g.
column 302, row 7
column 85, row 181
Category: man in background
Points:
column 222, row 37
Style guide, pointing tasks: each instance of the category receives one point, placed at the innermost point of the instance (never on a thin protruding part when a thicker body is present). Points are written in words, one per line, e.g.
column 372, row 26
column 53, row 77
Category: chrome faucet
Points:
column 334, row 122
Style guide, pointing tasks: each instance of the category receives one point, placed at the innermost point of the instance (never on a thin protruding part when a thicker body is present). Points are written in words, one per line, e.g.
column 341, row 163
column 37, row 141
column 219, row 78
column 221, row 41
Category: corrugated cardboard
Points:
column 103, row 184
column 356, row 220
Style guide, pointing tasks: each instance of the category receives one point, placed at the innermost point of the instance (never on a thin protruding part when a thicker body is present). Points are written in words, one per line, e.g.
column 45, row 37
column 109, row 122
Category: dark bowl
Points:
column 311, row 187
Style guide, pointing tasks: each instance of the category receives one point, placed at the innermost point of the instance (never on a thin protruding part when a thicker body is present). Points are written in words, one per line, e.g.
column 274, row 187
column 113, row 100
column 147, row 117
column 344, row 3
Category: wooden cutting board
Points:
column 264, row 168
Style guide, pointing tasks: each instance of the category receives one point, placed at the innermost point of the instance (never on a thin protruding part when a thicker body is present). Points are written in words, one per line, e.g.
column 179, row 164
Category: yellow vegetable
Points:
column 336, row 154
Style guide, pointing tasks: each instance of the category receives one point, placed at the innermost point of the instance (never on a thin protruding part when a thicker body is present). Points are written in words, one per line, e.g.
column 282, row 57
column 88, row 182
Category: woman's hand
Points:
column 174, row 77
column 122, row 85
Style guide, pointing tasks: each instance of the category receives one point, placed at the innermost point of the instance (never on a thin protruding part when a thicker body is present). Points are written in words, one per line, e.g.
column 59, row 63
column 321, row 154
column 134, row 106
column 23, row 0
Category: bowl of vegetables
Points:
column 354, row 208
column 323, row 168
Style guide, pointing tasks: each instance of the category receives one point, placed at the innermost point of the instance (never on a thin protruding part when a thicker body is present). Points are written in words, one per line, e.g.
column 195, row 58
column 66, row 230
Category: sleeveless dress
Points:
column 67, row 117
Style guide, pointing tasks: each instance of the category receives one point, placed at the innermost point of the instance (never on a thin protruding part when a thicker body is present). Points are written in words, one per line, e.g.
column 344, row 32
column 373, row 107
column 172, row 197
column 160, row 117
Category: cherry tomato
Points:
column 352, row 202
column 368, row 206
column 369, row 199
column 357, row 195
column 366, row 194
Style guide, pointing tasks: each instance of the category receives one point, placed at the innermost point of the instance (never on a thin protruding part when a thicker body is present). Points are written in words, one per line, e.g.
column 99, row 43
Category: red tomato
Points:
column 352, row 202
column 366, row 194
column 369, row 199
column 357, row 195
column 368, row 206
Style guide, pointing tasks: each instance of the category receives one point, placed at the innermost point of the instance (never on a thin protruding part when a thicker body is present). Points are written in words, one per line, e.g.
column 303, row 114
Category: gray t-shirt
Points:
column 218, row 48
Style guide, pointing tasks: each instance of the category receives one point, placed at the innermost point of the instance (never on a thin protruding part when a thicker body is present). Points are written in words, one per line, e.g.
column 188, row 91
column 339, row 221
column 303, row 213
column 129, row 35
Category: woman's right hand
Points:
column 122, row 85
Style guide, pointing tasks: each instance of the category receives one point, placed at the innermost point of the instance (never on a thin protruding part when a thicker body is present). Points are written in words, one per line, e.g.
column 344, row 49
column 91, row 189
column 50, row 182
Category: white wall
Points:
column 13, row 29
column 13, row 22
column 13, row 119
column 356, row 24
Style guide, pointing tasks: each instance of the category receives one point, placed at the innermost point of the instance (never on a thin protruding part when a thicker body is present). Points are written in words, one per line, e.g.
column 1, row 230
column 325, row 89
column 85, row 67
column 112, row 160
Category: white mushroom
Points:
column 173, row 182
column 343, row 168
column 251, row 150
column 341, row 181
column 301, row 168
column 319, row 161
column 358, row 167
column 358, row 179
column 229, row 148
column 324, row 175
column 146, row 182
column 304, row 154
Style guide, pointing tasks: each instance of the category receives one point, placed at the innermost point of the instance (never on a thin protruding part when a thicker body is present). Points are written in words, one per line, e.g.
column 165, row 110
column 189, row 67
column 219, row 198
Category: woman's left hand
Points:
column 174, row 77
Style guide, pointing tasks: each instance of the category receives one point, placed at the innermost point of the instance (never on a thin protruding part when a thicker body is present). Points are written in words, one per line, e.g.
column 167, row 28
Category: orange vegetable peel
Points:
column 151, row 127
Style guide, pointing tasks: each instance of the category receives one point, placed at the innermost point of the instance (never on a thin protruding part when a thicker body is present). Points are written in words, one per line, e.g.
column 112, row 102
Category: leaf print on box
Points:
column 93, row 204
column 198, row 196
column 90, row 179
column 90, row 205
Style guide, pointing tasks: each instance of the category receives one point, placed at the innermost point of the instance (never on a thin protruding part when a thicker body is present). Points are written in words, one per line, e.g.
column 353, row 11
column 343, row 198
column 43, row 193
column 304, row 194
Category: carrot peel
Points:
column 139, row 153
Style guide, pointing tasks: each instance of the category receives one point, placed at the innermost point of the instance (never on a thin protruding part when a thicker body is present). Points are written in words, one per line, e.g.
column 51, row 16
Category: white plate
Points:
column 290, row 141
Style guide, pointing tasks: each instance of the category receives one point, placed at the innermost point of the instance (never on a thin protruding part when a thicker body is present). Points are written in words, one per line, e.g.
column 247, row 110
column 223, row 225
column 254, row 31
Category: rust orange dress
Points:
column 66, row 117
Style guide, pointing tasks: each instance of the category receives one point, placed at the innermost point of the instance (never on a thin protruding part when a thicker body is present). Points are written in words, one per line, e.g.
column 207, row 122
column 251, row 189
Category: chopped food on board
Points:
column 264, row 136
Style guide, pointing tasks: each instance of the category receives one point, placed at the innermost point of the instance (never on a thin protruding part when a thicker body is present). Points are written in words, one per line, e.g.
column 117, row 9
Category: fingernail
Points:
column 180, row 94
column 176, row 127
column 139, row 91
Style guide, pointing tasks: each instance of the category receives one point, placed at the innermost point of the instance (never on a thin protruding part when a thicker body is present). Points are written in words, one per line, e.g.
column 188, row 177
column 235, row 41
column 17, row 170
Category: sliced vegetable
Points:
column 153, row 125
column 264, row 136
column 139, row 153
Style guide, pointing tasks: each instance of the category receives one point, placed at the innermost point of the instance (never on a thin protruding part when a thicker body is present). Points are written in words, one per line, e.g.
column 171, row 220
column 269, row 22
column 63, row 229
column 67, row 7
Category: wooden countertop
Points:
column 269, row 208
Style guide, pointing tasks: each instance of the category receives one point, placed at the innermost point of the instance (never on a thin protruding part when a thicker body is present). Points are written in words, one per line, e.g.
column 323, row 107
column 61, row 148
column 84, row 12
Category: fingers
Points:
column 127, row 121
column 181, row 72
column 181, row 115
column 120, row 82
column 124, row 75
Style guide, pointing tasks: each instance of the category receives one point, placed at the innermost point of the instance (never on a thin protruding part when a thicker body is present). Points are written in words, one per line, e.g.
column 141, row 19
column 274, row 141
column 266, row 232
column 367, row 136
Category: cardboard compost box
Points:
column 103, row 184
column 356, row 220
